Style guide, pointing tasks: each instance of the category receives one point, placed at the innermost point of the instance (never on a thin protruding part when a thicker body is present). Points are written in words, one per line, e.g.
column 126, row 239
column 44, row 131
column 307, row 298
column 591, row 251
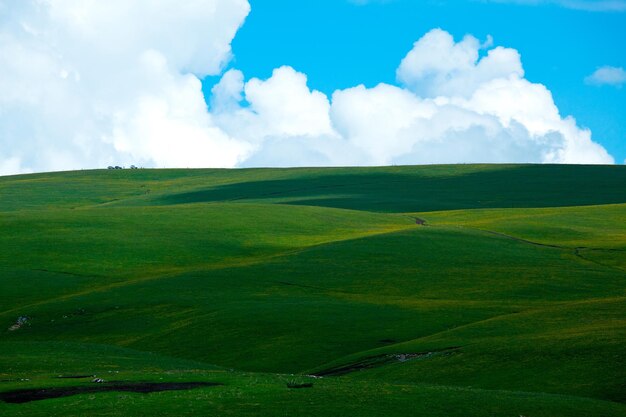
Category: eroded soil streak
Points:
column 27, row 395
column 382, row 360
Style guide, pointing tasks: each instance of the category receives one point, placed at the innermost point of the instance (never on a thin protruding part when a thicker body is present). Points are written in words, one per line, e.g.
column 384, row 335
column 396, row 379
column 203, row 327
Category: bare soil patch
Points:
column 382, row 360
column 37, row 394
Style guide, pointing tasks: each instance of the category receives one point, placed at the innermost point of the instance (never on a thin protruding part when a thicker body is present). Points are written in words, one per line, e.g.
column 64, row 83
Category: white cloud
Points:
column 454, row 107
column 88, row 83
column 607, row 76
column 286, row 122
column 595, row 5
column 286, row 107
column 438, row 66
column 588, row 5
column 275, row 109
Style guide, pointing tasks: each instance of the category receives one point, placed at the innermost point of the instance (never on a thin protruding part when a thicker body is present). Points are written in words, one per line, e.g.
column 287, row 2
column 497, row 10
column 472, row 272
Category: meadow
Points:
column 457, row 290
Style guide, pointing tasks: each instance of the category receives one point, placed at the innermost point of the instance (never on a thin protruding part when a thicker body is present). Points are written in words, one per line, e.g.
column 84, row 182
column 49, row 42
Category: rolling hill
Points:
column 509, row 299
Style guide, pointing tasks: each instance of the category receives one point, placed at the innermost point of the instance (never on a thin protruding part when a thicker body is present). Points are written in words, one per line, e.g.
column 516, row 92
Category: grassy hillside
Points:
column 509, row 301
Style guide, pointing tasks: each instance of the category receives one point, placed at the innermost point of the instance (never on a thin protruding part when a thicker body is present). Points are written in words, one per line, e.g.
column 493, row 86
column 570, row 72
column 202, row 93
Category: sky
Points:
column 237, row 83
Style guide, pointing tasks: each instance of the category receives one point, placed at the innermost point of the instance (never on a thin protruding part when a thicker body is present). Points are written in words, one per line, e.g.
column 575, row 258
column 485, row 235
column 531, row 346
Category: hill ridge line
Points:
column 576, row 250
column 385, row 349
column 173, row 274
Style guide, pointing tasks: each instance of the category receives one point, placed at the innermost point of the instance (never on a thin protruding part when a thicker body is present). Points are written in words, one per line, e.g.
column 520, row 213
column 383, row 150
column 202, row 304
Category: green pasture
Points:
column 509, row 301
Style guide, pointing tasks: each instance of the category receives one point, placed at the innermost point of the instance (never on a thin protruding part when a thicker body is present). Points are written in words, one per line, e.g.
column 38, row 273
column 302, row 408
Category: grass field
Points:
column 509, row 301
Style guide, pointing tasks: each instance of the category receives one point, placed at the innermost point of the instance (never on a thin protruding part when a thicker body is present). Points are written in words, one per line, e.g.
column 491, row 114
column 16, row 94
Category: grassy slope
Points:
column 274, row 271
column 385, row 189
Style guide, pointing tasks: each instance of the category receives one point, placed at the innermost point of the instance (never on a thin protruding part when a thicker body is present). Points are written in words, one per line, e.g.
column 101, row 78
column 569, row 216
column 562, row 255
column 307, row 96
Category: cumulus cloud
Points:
column 615, row 76
column 452, row 106
column 86, row 83
column 438, row 66
column 287, row 123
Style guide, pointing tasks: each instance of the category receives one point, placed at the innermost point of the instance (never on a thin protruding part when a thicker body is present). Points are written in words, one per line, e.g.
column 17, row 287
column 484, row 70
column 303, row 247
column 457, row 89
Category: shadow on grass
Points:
column 419, row 189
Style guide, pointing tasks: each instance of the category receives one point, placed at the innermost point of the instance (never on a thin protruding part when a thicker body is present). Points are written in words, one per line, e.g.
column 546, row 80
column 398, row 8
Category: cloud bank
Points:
column 452, row 106
column 86, row 84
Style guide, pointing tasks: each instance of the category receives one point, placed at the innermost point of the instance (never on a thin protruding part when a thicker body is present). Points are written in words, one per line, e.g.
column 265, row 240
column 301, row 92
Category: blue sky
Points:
column 243, row 83
column 340, row 44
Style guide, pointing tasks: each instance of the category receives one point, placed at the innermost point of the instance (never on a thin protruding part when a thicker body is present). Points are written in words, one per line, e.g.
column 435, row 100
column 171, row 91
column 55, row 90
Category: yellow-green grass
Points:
column 264, row 394
column 595, row 233
column 251, row 394
column 601, row 227
column 387, row 189
column 248, row 276
column 144, row 241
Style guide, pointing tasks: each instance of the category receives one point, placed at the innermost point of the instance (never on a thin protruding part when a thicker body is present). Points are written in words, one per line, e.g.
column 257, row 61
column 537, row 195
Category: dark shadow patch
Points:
column 299, row 386
column 37, row 394
column 424, row 189
column 382, row 360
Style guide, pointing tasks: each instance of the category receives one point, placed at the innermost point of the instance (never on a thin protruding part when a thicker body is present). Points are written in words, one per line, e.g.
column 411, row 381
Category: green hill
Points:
column 509, row 301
